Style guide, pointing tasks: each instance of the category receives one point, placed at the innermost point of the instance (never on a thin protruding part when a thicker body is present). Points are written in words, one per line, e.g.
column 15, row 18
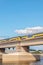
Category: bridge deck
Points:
column 28, row 42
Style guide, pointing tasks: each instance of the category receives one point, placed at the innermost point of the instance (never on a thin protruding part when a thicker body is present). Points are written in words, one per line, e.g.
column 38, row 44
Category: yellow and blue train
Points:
column 20, row 38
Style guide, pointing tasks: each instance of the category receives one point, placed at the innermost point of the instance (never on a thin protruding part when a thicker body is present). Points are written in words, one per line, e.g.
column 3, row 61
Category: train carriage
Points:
column 37, row 35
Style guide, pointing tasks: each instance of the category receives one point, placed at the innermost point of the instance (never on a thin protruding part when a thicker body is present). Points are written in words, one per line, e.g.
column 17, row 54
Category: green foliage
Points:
column 36, row 52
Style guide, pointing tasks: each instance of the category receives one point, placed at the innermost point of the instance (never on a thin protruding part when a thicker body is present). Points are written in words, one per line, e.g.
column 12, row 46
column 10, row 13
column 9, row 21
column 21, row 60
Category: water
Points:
column 26, row 63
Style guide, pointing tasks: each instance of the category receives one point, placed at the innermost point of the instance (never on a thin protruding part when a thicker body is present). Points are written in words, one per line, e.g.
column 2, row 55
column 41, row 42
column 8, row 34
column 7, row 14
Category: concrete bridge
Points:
column 23, row 43
column 22, row 48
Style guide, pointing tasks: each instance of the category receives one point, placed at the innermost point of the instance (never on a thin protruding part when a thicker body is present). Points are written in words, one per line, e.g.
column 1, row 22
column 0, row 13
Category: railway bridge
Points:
column 22, row 47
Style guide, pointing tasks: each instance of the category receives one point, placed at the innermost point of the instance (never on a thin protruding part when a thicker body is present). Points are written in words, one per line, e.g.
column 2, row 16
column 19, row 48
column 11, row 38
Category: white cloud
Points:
column 32, row 30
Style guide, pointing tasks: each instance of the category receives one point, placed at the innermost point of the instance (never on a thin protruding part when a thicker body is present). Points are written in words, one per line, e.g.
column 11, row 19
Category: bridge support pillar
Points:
column 18, row 48
column 22, row 54
column 25, row 49
column 22, row 49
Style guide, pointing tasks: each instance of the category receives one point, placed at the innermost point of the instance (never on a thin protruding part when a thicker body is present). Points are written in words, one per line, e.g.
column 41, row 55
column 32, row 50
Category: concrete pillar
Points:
column 22, row 49
column 25, row 49
column 2, row 50
column 18, row 48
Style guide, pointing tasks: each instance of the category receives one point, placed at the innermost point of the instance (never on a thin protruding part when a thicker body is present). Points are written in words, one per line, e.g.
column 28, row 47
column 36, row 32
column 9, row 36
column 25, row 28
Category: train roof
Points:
column 22, row 36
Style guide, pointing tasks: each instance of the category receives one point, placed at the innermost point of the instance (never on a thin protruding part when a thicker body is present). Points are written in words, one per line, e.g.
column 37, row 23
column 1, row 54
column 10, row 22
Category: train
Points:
column 37, row 35
column 20, row 38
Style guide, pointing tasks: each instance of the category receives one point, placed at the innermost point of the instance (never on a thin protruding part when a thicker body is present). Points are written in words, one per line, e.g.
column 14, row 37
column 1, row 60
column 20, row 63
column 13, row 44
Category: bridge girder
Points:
column 32, row 42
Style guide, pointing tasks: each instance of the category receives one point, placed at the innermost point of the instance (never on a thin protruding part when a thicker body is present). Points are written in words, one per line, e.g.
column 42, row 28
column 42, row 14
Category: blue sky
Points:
column 19, row 14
